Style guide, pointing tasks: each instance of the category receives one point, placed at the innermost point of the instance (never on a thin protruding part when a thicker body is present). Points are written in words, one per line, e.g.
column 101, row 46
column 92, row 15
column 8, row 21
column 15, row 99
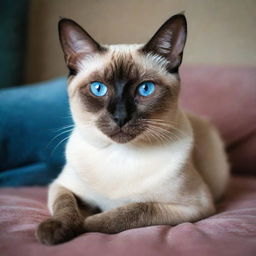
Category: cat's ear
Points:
column 169, row 41
column 76, row 43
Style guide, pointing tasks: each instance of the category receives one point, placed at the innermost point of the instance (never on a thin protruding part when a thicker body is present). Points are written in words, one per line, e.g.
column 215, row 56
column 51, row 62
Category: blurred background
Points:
column 220, row 32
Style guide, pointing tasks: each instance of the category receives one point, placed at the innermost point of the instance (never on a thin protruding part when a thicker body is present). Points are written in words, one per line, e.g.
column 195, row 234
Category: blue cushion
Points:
column 31, row 117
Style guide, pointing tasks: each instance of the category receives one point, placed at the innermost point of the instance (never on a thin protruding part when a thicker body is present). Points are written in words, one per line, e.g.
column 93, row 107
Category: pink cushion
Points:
column 230, row 232
column 227, row 96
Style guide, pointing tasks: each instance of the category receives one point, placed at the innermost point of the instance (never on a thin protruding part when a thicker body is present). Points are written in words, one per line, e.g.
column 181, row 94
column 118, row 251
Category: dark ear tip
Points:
column 65, row 21
column 180, row 16
column 180, row 20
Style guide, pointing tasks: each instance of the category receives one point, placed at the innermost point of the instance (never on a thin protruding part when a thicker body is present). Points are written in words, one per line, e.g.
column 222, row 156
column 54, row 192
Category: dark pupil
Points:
column 98, row 87
column 145, row 87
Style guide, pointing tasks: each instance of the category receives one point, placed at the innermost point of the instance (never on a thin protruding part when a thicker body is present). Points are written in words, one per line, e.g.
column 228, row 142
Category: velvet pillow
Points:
column 31, row 136
column 226, row 96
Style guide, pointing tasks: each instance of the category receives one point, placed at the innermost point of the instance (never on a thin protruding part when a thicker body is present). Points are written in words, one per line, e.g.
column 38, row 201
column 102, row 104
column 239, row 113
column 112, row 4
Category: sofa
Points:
column 35, row 123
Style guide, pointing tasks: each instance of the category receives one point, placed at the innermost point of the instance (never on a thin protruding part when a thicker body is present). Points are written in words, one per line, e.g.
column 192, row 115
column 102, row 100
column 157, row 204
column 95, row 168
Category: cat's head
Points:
column 124, row 93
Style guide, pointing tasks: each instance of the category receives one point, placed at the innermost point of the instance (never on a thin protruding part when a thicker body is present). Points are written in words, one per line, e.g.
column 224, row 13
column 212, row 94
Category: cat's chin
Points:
column 122, row 137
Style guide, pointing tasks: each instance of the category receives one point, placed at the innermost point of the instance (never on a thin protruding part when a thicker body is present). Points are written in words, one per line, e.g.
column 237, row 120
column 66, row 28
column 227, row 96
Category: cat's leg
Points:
column 67, row 219
column 193, row 202
column 137, row 215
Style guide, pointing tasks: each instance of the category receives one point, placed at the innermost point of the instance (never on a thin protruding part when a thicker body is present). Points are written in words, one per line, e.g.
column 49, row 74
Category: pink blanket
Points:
column 232, row 231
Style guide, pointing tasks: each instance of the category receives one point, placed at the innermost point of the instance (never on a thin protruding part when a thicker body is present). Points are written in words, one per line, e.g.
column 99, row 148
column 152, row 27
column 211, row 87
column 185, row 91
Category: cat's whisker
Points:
column 62, row 128
column 158, row 123
column 164, row 133
column 66, row 127
column 164, row 137
column 147, row 137
column 154, row 135
column 63, row 132
column 168, row 132
column 162, row 128
column 159, row 134
column 162, row 124
column 157, row 119
column 161, row 120
column 166, row 125
column 59, row 144
column 169, row 123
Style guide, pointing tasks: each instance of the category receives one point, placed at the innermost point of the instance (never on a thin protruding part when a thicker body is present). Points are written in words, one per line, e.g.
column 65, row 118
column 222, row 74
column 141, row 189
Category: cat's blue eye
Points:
column 98, row 89
column 146, row 88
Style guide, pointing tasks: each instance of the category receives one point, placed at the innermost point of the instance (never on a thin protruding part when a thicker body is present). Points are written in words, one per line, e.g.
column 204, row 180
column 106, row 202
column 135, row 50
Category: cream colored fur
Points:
column 184, row 175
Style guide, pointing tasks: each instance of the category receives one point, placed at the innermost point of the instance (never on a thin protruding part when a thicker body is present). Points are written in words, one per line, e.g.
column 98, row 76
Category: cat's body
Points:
column 134, row 159
column 113, row 175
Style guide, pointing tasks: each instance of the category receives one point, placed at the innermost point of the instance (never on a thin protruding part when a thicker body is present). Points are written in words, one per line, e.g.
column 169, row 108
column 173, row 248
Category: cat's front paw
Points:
column 54, row 231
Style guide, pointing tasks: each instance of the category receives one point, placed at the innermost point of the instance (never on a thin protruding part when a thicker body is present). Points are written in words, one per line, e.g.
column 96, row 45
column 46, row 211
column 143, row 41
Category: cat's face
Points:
column 124, row 93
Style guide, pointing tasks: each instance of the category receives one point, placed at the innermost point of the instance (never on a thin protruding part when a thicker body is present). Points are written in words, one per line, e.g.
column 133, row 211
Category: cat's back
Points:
column 209, row 155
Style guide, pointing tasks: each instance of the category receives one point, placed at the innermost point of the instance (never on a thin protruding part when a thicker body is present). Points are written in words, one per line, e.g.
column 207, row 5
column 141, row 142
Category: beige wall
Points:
column 221, row 32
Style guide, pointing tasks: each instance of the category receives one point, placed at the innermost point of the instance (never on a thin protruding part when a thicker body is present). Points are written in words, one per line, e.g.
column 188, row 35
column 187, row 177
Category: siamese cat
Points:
column 134, row 158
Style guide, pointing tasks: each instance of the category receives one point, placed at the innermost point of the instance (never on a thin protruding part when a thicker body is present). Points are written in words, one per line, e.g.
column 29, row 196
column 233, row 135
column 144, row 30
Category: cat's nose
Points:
column 120, row 114
column 120, row 120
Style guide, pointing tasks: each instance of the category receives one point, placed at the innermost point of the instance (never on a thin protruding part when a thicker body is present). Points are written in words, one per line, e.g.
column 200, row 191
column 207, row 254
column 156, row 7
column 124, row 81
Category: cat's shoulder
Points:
column 200, row 125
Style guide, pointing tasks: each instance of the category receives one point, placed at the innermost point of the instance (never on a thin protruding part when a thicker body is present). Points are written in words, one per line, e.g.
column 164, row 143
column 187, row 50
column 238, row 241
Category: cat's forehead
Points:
column 122, row 65
column 120, row 62
column 124, row 48
column 117, row 56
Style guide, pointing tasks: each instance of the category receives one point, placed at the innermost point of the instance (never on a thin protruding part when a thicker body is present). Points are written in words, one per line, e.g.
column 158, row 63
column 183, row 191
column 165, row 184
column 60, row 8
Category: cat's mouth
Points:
column 121, row 136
